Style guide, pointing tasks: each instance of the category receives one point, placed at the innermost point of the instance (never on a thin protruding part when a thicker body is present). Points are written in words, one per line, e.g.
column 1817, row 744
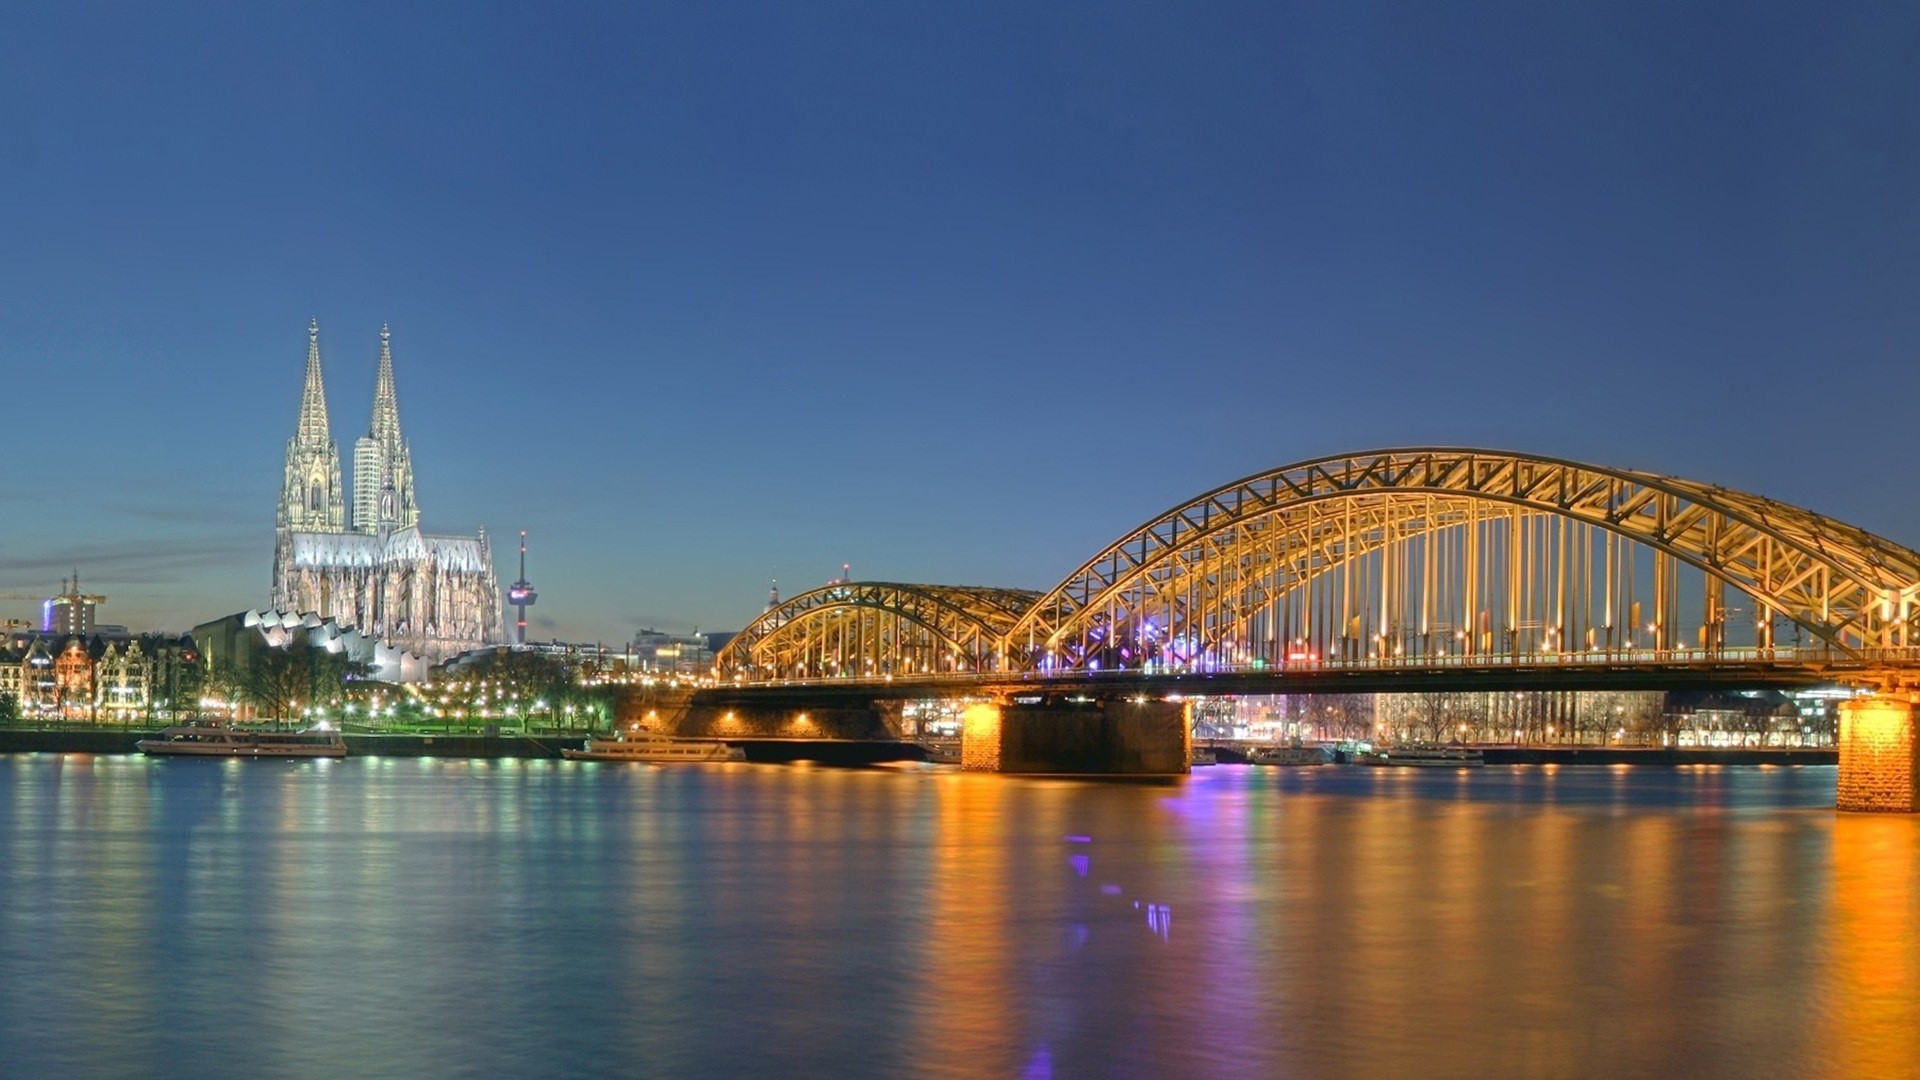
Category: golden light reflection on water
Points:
column 965, row 1008
column 548, row 919
column 1872, row 1012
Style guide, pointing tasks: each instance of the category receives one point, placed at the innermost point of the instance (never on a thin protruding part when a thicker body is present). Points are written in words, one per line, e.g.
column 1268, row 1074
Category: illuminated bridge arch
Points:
column 877, row 629
column 1437, row 554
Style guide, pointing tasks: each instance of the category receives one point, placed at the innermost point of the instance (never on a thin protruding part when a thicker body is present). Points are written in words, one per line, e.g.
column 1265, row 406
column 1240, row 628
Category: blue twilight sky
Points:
column 953, row 292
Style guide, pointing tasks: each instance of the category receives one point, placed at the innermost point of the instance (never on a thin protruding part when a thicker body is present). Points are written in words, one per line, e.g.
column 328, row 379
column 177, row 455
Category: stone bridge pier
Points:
column 1878, row 754
column 758, row 715
column 1077, row 736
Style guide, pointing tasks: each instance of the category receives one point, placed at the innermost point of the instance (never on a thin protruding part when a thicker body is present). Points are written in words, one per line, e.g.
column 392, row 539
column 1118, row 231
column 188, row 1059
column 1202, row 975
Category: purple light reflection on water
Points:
column 766, row 921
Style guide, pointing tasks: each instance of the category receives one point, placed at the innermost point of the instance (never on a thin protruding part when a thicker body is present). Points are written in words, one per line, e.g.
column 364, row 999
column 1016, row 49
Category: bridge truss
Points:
column 1416, row 557
column 878, row 629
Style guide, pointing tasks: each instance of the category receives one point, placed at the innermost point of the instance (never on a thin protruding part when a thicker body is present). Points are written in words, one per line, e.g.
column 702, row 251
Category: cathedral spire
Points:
column 313, row 400
column 386, row 405
column 381, row 458
column 312, row 499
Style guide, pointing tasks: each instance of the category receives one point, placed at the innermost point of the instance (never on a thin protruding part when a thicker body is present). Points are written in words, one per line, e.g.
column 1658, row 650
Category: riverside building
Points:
column 111, row 678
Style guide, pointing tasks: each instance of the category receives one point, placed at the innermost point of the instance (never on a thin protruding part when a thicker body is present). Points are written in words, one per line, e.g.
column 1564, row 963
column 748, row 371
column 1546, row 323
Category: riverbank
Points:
column 1658, row 755
column 764, row 751
column 880, row 751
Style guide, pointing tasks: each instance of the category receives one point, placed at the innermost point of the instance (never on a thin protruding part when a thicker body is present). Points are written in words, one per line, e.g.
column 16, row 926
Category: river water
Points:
column 416, row 918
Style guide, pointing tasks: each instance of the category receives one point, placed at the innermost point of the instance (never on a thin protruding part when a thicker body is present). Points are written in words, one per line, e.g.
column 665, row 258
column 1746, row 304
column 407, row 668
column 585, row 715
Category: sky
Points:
column 704, row 294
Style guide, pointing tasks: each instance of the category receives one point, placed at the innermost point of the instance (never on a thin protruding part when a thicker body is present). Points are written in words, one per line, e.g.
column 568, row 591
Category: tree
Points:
column 531, row 675
column 182, row 683
column 9, row 709
column 273, row 681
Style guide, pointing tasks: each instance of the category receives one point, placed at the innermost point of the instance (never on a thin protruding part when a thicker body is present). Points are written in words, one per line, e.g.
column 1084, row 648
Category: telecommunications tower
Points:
column 521, row 595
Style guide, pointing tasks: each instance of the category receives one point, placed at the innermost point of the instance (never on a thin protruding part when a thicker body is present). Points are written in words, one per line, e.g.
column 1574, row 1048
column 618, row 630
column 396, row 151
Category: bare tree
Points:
column 275, row 681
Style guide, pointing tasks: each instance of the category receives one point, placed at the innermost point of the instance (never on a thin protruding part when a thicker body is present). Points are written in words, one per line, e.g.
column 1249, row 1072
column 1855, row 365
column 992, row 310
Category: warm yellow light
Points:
column 1877, row 761
column 980, row 737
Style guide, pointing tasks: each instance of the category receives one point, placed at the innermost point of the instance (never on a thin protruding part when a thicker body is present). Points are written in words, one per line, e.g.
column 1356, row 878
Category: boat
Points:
column 1202, row 755
column 655, row 748
column 210, row 740
column 941, row 752
column 1295, row 753
column 1444, row 757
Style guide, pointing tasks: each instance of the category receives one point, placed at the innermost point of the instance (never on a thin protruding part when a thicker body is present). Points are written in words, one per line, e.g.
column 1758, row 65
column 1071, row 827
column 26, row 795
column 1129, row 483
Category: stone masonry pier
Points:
column 1878, row 761
column 1102, row 737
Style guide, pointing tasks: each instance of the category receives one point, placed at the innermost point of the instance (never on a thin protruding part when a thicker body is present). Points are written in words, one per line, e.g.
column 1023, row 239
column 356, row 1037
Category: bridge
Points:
column 1427, row 568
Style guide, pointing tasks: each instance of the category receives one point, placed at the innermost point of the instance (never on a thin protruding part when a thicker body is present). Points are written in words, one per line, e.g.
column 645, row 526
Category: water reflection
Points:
column 561, row 919
column 1868, row 1012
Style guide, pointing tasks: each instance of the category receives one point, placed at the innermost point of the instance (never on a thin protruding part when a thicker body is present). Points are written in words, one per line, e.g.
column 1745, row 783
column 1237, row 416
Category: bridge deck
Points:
column 1478, row 674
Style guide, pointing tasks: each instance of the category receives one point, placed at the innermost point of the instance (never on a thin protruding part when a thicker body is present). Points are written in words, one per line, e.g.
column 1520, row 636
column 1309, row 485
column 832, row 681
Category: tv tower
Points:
column 521, row 595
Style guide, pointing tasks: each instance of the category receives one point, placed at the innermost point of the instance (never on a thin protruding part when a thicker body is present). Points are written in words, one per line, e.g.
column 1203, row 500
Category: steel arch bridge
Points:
column 877, row 629
column 1394, row 559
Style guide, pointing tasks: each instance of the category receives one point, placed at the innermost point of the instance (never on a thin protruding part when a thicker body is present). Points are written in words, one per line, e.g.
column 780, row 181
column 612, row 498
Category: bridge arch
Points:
column 1336, row 557
column 876, row 629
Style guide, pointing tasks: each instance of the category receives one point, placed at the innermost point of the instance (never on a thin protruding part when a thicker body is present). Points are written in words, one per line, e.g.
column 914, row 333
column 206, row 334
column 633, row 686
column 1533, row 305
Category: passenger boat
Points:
column 1296, row 753
column 654, row 748
column 1445, row 757
column 1202, row 755
column 941, row 752
column 207, row 740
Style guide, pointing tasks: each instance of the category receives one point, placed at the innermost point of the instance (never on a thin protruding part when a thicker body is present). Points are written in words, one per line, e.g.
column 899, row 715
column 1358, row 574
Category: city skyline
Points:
column 958, row 298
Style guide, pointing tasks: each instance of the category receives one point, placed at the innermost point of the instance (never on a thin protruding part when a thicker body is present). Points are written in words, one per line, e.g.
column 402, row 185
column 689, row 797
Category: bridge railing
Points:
column 1764, row 659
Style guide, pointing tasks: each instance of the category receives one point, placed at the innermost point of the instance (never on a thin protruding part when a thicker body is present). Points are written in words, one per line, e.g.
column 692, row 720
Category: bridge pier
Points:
column 1879, row 757
column 1108, row 737
column 786, row 721
column 702, row 714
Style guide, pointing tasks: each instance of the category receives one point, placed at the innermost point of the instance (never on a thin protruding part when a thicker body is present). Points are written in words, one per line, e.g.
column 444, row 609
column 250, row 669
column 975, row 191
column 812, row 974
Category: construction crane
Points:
column 70, row 595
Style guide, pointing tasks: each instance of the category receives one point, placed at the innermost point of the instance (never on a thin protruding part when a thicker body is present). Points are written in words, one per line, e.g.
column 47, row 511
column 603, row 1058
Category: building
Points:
column 363, row 562
column 26, row 675
column 672, row 654
column 102, row 677
column 71, row 612
column 234, row 639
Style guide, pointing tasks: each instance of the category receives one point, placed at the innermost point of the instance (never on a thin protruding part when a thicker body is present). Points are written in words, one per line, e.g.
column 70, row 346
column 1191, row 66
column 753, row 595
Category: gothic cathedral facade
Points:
column 363, row 561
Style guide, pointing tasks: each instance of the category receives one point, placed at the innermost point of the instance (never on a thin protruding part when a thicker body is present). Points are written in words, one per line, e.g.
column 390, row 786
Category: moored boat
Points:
column 941, row 752
column 208, row 740
column 656, row 749
column 1202, row 755
column 1446, row 757
column 1295, row 753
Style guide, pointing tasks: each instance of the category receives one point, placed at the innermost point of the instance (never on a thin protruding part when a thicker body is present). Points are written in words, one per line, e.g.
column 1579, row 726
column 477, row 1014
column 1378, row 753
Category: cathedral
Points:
column 363, row 561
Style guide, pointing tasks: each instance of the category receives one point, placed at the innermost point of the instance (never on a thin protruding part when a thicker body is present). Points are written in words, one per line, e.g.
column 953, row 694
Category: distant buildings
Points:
column 100, row 677
column 650, row 653
column 366, row 564
column 1678, row 718
column 662, row 652
column 70, row 612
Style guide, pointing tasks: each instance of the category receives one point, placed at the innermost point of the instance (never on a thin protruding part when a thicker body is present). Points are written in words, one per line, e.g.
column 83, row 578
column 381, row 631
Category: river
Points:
column 419, row 917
